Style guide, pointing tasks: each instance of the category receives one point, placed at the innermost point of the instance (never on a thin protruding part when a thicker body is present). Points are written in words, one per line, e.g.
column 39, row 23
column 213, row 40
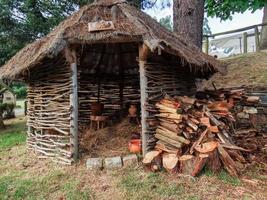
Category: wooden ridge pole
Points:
column 143, row 53
column 71, row 57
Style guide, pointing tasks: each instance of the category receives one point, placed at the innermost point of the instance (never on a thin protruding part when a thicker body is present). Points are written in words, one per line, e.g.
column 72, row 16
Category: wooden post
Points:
column 143, row 53
column 207, row 45
column 74, row 129
column 245, row 42
column 257, row 39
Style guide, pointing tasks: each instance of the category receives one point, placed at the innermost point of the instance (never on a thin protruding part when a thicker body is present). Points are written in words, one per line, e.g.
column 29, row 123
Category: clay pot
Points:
column 97, row 109
column 132, row 110
column 135, row 146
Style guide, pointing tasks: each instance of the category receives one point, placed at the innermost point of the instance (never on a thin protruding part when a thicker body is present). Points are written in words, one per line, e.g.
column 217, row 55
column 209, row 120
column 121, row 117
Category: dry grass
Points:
column 110, row 141
column 23, row 176
column 244, row 70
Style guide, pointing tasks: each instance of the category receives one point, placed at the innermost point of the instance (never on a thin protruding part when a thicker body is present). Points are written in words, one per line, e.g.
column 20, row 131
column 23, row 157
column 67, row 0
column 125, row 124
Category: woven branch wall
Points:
column 109, row 93
column 164, row 79
column 49, row 113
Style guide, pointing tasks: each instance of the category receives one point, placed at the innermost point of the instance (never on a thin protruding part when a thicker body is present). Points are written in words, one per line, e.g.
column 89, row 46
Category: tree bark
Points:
column 188, row 19
column 263, row 40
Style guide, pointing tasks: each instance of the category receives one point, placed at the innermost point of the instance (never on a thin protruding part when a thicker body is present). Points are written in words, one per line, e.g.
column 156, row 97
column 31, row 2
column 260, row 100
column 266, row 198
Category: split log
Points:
column 170, row 126
column 228, row 162
column 205, row 121
column 169, row 141
column 200, row 162
column 171, row 135
column 206, row 147
column 192, row 125
column 165, row 147
column 196, row 143
column 187, row 164
column 170, row 162
column 169, row 116
column 214, row 129
column 153, row 160
column 253, row 99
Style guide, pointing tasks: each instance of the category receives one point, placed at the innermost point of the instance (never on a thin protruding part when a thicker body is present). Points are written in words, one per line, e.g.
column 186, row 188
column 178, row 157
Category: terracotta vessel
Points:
column 97, row 109
column 135, row 146
column 132, row 110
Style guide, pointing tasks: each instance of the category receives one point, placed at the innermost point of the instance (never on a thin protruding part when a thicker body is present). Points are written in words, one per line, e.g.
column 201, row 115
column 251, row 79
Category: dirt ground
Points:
column 23, row 176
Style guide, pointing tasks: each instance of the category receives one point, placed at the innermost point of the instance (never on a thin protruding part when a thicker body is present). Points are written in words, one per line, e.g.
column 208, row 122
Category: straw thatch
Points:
column 131, row 25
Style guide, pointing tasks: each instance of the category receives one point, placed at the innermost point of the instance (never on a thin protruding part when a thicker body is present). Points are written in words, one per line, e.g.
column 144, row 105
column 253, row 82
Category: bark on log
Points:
column 214, row 162
column 200, row 162
column 228, row 162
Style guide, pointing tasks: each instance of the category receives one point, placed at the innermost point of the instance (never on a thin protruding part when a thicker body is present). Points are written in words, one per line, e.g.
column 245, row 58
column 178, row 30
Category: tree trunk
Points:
column 188, row 19
column 263, row 40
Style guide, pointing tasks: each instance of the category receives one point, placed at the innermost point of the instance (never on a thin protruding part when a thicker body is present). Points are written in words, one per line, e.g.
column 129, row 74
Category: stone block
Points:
column 94, row 163
column 130, row 160
column 113, row 163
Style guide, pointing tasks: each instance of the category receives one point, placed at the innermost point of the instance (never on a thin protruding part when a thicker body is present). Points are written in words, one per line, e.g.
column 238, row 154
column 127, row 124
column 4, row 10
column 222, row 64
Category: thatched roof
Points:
column 130, row 24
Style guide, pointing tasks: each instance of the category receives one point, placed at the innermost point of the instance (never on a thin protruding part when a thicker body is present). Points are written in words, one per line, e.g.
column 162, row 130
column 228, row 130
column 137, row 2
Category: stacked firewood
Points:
column 193, row 134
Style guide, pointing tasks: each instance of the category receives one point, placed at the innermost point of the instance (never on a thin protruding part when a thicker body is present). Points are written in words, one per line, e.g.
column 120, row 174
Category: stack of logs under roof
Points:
column 194, row 134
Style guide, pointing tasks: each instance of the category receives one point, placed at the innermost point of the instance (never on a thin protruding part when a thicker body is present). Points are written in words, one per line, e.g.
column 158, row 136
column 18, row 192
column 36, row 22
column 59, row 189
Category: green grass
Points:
column 17, row 187
column 224, row 176
column 227, row 178
column 13, row 135
column 148, row 186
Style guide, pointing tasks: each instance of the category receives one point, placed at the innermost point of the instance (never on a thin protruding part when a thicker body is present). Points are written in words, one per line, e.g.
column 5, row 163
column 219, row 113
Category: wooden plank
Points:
column 101, row 26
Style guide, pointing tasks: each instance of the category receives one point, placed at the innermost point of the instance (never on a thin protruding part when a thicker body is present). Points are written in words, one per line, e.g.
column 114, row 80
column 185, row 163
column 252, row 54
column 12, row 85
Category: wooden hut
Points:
column 110, row 51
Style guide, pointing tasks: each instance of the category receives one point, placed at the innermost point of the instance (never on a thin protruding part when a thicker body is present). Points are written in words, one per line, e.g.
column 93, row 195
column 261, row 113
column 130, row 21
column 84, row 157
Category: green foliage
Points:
column 20, row 91
column 166, row 22
column 23, row 21
column 206, row 27
column 224, row 9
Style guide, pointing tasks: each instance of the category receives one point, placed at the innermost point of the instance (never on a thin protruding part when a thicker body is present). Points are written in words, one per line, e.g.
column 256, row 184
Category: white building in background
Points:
column 8, row 96
column 231, row 45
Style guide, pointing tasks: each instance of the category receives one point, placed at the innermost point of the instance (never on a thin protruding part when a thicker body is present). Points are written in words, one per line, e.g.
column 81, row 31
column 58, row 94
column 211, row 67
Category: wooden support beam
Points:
column 207, row 45
column 257, row 39
column 143, row 53
column 245, row 42
column 71, row 57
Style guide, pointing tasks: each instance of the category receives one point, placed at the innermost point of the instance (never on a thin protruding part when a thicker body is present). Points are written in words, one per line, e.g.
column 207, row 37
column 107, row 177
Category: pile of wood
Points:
column 193, row 134
column 253, row 140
